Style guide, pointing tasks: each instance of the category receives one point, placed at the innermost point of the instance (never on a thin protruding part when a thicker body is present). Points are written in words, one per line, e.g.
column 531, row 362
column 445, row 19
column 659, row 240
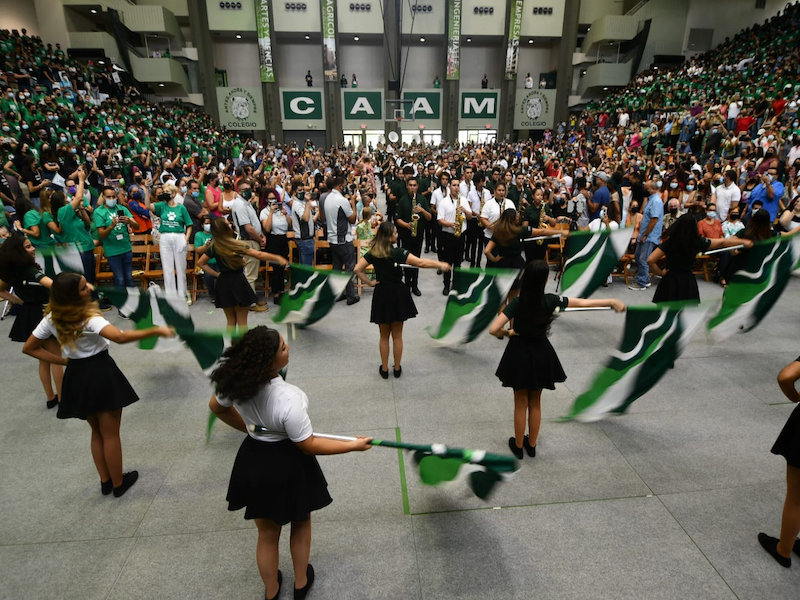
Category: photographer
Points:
column 248, row 229
column 114, row 223
column 340, row 214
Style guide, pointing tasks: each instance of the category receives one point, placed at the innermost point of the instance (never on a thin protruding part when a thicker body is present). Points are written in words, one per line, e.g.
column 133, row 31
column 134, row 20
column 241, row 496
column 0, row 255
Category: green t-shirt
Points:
column 33, row 218
column 119, row 240
column 531, row 214
column 73, row 229
column 201, row 238
column 404, row 208
column 174, row 219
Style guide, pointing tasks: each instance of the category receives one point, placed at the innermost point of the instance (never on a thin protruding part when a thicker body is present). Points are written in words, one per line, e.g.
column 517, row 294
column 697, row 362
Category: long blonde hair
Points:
column 68, row 310
column 227, row 248
column 381, row 246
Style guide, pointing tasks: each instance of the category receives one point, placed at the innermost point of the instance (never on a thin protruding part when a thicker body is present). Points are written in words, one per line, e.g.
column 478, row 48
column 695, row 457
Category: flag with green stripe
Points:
column 753, row 290
column 590, row 259
column 473, row 303
column 312, row 297
column 59, row 259
column 653, row 339
column 149, row 309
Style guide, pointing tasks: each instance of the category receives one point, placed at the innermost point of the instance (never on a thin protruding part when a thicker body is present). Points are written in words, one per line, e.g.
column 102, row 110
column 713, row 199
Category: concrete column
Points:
column 569, row 40
column 392, row 38
column 271, row 91
column 201, row 38
column 505, row 121
column 52, row 22
column 450, row 115
column 333, row 96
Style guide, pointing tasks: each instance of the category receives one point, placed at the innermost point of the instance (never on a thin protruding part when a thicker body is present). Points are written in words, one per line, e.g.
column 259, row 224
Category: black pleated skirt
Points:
column 530, row 364
column 788, row 443
column 512, row 262
column 275, row 480
column 29, row 315
column 92, row 385
column 392, row 303
column 232, row 290
column 677, row 286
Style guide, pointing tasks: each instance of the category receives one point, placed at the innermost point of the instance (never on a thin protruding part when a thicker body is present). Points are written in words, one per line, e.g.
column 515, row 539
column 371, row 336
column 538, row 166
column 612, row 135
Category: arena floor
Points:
column 664, row 502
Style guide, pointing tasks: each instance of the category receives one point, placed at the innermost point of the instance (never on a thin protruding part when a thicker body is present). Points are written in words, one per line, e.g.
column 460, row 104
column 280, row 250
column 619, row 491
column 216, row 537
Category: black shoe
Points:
column 770, row 544
column 303, row 591
column 446, row 290
column 384, row 374
column 106, row 487
column 531, row 450
column 128, row 479
column 512, row 445
column 340, row 298
column 105, row 306
column 415, row 291
column 353, row 300
column 53, row 403
column 397, row 372
column 427, row 250
column 280, row 583
column 438, row 271
column 121, row 316
column 797, row 547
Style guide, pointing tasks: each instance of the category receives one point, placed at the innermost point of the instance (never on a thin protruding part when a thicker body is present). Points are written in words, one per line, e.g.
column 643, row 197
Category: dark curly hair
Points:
column 246, row 366
column 14, row 259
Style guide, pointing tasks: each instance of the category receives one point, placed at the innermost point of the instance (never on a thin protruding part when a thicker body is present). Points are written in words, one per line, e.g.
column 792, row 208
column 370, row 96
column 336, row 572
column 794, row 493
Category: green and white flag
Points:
column 473, row 303
column 149, row 309
column 653, row 338
column 753, row 290
column 590, row 259
column 59, row 259
column 312, row 297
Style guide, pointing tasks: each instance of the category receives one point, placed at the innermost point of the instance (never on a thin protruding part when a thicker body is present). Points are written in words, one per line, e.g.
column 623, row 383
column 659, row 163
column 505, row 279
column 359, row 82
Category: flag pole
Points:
column 577, row 309
column 723, row 249
column 405, row 266
column 541, row 237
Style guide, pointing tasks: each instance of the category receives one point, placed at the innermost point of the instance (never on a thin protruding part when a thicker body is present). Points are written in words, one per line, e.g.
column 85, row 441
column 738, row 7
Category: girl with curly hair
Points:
column 22, row 282
column 94, row 389
column 276, row 477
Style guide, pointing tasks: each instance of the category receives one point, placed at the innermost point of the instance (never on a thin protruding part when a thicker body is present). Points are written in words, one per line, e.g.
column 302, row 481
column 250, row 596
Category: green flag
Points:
column 312, row 297
column 753, row 290
column 149, row 309
column 473, row 303
column 59, row 259
column 590, row 259
column 653, row 338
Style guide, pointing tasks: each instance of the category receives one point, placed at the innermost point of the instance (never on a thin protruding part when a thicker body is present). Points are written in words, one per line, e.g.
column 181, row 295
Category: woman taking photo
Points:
column 683, row 244
column 19, row 271
column 174, row 230
column 212, row 195
column 530, row 363
column 94, row 390
column 276, row 221
column 276, row 477
column 233, row 294
column 37, row 224
column 391, row 303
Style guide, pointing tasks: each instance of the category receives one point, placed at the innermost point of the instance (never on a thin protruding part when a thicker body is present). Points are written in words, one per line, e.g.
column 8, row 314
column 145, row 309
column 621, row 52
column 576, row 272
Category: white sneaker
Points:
column 636, row 287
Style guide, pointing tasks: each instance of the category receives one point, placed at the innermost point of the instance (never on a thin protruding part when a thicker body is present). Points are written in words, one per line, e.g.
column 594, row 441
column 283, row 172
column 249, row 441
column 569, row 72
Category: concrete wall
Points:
column 240, row 60
column 477, row 59
column 365, row 59
column 591, row 10
column 20, row 15
column 737, row 15
column 293, row 60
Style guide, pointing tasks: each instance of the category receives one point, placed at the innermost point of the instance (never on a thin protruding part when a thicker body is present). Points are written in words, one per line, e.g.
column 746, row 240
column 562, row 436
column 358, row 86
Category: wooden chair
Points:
column 702, row 266
column 622, row 270
column 319, row 245
column 556, row 245
column 152, row 270
column 370, row 269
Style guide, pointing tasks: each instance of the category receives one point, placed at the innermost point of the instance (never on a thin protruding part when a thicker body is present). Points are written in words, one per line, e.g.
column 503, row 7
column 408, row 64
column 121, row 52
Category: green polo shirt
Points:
column 33, row 218
column 532, row 213
column 404, row 207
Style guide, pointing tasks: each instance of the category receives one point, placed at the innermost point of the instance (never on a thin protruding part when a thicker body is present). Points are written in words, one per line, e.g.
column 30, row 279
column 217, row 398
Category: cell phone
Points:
column 120, row 213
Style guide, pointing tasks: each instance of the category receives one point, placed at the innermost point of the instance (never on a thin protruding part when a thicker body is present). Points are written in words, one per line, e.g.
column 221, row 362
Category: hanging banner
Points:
column 329, row 40
column 454, row 40
column 264, row 41
column 514, row 29
column 241, row 108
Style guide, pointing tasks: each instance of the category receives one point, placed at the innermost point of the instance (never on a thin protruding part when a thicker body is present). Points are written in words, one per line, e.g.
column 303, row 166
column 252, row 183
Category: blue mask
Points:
column 195, row 194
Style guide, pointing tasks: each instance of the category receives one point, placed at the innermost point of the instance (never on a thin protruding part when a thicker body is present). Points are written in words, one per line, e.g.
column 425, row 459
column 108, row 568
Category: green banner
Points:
column 359, row 105
column 329, row 40
column 302, row 105
column 264, row 41
column 454, row 40
column 514, row 29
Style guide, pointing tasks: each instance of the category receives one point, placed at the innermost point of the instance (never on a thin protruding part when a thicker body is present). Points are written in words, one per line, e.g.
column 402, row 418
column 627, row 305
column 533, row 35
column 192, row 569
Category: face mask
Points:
column 25, row 126
column 63, row 140
column 74, row 151
column 183, row 189
column 10, row 94
column 227, row 185
column 206, row 227
column 770, row 137
column 673, row 211
column 137, row 196
column 164, row 197
column 673, row 185
column 51, row 118
column 689, row 188
column 755, row 210
column 634, row 209
column 195, row 194
column 246, row 194
column 734, row 216
column 6, row 128
column 712, row 214
column 111, row 202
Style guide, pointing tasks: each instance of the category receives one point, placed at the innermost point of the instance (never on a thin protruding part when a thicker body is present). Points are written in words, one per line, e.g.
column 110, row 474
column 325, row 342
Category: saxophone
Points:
column 459, row 219
column 483, row 201
column 414, row 217
column 542, row 223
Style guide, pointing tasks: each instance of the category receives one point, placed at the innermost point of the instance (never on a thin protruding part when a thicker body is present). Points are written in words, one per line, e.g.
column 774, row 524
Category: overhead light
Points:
column 605, row 89
column 162, row 85
column 588, row 29
column 656, row 67
column 355, row 38
column 308, row 37
column 238, row 36
column 101, row 62
column 422, row 39
column 94, row 11
column 530, row 41
column 469, row 40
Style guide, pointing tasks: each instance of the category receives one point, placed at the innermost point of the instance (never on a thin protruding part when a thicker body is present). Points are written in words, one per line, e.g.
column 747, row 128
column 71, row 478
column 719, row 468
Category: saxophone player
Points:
column 453, row 213
column 477, row 200
column 413, row 214
column 539, row 217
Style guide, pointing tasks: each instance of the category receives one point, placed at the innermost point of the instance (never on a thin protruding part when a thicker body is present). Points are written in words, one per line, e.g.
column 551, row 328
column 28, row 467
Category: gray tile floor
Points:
column 664, row 502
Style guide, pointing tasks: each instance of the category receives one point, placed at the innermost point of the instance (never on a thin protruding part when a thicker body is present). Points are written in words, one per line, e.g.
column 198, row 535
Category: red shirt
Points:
column 711, row 230
column 778, row 106
column 744, row 123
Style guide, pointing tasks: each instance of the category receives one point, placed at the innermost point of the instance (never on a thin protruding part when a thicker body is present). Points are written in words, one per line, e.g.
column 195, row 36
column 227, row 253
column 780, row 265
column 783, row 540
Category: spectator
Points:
column 650, row 237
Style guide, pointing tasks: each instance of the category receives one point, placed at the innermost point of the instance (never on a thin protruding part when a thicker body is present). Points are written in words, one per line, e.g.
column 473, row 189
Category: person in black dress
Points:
column 233, row 294
column 22, row 282
column 276, row 477
column 94, row 390
column 682, row 244
column 530, row 363
column 391, row 303
column 788, row 446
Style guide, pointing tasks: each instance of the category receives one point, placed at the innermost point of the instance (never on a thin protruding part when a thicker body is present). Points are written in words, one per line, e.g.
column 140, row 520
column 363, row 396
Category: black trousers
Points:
column 391, row 209
column 471, row 243
column 344, row 255
column 277, row 244
column 452, row 249
column 482, row 241
column 414, row 246
column 432, row 232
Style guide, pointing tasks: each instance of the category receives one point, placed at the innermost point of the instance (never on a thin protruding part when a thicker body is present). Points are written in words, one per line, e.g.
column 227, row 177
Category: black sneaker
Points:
column 526, row 444
column 512, row 445
column 121, row 316
column 128, row 479
column 353, row 300
column 770, row 544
